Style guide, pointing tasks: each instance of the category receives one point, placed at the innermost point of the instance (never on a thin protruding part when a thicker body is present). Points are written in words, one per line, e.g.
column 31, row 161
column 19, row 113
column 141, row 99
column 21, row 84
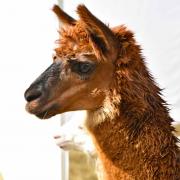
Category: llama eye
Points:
column 82, row 68
column 85, row 67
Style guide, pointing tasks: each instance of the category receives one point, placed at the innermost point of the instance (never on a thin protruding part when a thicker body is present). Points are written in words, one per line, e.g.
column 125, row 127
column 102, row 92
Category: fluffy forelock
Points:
column 73, row 40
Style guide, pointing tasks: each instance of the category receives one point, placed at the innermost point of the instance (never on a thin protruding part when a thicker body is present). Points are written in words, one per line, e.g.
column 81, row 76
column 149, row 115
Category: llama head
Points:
column 82, row 72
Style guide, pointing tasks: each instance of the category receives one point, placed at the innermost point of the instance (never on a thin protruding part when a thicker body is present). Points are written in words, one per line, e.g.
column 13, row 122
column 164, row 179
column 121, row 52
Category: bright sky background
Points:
column 28, row 30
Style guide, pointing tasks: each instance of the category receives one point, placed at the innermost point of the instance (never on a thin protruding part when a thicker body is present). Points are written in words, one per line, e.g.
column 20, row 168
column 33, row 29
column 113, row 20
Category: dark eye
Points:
column 82, row 68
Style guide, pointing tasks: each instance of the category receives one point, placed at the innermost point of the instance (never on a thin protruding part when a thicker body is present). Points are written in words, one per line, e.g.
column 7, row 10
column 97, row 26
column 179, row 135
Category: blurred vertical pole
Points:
column 1, row 177
column 64, row 155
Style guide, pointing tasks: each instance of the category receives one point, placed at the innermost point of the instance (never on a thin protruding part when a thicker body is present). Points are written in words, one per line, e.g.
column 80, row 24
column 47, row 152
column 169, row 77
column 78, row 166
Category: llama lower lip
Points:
column 43, row 110
column 31, row 107
column 47, row 112
column 43, row 115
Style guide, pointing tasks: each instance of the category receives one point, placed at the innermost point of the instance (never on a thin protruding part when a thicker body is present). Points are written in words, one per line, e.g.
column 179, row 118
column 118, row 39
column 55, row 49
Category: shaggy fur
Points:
column 126, row 116
column 132, row 130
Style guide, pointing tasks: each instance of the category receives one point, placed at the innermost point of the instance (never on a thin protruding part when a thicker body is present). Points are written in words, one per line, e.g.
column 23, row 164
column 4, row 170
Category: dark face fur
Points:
column 68, row 85
column 81, row 71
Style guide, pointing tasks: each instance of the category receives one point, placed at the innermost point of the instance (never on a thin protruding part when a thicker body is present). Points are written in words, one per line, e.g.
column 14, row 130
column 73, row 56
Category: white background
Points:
column 27, row 35
column 28, row 30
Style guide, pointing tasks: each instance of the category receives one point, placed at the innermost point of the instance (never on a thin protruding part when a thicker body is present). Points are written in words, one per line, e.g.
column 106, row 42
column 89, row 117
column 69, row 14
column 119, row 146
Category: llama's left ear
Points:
column 63, row 17
column 102, row 38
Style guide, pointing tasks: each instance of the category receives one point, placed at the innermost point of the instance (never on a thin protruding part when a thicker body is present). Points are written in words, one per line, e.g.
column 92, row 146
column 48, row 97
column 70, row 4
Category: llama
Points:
column 73, row 136
column 102, row 71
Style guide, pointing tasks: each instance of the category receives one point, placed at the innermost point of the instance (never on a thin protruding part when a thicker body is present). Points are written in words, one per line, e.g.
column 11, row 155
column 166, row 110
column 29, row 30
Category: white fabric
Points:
column 157, row 28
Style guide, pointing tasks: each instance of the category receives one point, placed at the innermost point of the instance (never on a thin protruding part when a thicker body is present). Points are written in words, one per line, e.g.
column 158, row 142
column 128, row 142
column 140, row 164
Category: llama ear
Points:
column 63, row 17
column 102, row 38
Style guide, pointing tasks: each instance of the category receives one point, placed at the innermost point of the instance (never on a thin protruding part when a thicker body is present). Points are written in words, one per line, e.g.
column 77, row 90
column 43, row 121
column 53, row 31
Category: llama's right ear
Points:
column 101, row 37
column 63, row 17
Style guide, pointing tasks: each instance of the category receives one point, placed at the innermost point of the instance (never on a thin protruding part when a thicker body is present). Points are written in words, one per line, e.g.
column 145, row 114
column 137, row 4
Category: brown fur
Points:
column 126, row 115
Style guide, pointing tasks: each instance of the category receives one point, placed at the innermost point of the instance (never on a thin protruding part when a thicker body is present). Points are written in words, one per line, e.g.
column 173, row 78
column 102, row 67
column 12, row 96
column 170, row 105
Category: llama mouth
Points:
column 43, row 115
column 42, row 111
column 48, row 112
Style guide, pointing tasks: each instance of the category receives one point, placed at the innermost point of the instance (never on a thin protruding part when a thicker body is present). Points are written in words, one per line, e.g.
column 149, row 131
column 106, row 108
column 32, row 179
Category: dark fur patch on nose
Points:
column 41, row 85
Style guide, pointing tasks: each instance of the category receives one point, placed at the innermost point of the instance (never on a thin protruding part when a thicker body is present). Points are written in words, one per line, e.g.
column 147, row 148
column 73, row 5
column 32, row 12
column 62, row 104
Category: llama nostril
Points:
column 32, row 95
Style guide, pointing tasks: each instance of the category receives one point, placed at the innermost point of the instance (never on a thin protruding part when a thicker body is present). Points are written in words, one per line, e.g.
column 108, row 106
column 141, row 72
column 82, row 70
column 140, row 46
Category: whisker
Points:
column 45, row 115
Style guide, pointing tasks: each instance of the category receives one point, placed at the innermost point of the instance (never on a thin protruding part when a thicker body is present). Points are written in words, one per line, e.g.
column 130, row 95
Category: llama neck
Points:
column 137, row 141
column 151, row 154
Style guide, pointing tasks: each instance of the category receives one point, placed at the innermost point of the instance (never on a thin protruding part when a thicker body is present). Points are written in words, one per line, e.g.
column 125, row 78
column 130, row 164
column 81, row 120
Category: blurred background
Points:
column 28, row 30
